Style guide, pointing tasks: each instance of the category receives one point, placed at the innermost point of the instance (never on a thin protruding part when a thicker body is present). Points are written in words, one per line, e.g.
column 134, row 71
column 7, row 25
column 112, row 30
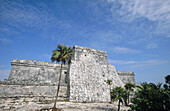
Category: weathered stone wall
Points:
column 35, row 72
column 87, row 75
column 127, row 76
column 29, row 78
column 112, row 75
column 31, row 91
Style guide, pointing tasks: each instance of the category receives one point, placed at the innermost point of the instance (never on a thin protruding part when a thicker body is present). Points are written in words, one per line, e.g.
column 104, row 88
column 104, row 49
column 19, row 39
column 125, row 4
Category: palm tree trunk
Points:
column 128, row 96
column 125, row 101
column 119, row 106
column 119, row 101
column 58, row 85
column 110, row 95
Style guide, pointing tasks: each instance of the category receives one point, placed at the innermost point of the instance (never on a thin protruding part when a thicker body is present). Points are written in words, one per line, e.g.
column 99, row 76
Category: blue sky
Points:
column 135, row 33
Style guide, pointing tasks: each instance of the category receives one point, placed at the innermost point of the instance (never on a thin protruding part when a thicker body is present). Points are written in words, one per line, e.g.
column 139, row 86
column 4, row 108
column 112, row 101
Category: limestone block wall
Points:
column 35, row 72
column 127, row 76
column 30, row 90
column 29, row 78
column 112, row 75
column 87, row 74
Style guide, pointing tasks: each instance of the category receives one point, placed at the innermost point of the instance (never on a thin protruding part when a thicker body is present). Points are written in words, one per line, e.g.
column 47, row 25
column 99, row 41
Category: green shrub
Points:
column 151, row 97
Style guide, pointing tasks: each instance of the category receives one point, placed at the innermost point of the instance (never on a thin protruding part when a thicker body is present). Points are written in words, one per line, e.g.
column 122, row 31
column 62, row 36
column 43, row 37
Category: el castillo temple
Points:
column 82, row 81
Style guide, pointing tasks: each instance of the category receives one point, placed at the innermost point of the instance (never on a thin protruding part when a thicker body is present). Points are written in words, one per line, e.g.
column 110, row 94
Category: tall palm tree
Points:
column 62, row 54
column 129, row 87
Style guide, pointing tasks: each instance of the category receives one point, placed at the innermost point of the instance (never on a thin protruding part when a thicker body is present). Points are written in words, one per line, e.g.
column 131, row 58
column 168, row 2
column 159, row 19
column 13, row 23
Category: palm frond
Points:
column 55, row 55
column 62, row 54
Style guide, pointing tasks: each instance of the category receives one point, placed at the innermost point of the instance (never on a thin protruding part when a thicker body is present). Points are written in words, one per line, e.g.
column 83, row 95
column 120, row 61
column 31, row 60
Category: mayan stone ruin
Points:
column 82, row 81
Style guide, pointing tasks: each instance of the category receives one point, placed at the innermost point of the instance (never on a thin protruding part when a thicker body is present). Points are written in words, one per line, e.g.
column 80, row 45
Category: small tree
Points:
column 167, row 79
column 118, row 94
column 167, row 82
column 166, row 101
column 129, row 88
column 61, row 54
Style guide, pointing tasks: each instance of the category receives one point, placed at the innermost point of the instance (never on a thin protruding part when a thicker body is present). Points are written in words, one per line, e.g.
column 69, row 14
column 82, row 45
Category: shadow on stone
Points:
column 56, row 109
column 106, row 108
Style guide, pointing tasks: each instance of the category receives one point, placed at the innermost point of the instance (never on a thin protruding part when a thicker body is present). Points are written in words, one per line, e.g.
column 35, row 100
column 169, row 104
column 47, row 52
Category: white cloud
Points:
column 18, row 12
column 151, row 46
column 134, row 64
column 153, row 62
column 4, row 74
column 8, row 30
column 3, row 66
column 124, row 50
column 46, row 56
column 157, row 11
column 152, row 9
column 5, row 40
column 109, row 37
column 121, row 62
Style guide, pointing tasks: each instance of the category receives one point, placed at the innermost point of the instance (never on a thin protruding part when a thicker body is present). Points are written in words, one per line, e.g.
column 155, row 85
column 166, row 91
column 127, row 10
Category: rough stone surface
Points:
column 87, row 75
column 34, row 79
column 31, row 91
column 35, row 72
column 127, row 76
column 18, row 105
column 112, row 75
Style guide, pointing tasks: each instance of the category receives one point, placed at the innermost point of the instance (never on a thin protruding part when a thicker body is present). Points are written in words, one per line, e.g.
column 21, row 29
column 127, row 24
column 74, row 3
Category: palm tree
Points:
column 129, row 87
column 61, row 54
column 118, row 94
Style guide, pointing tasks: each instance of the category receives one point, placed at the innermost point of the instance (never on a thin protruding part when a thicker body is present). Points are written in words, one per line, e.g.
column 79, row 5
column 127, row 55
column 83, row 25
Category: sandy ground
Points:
column 64, row 106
